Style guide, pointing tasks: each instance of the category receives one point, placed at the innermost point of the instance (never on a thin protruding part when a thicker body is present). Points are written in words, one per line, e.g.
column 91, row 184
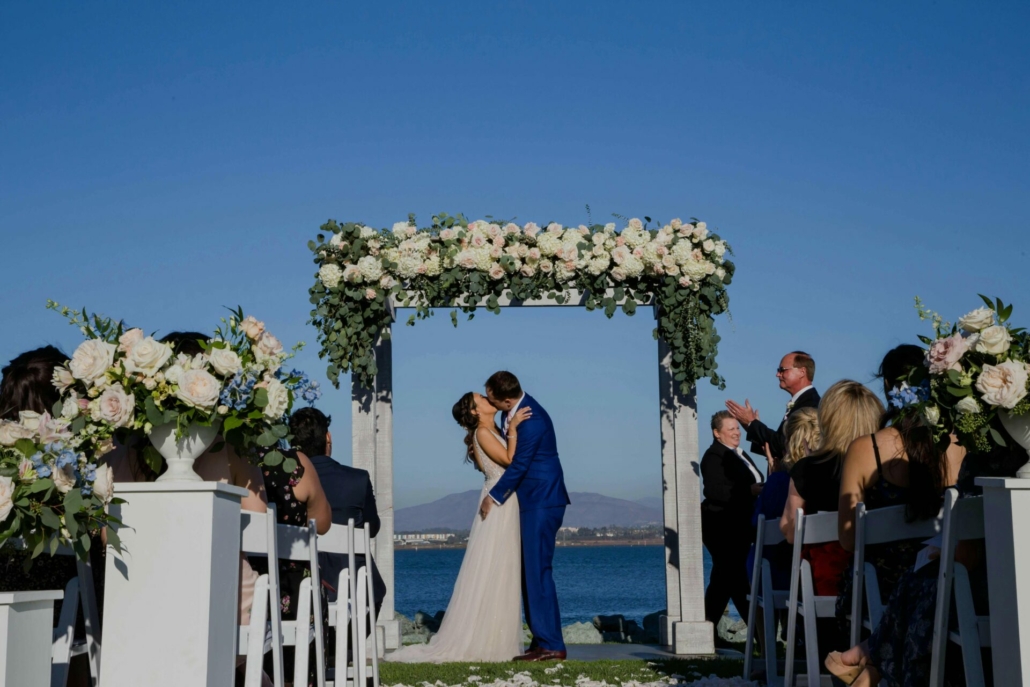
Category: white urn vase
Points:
column 1018, row 426
column 180, row 453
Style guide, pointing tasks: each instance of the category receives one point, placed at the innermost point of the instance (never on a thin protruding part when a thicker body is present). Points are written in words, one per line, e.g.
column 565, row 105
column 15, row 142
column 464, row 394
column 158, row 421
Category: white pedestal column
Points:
column 171, row 597
column 26, row 637
column 1006, row 505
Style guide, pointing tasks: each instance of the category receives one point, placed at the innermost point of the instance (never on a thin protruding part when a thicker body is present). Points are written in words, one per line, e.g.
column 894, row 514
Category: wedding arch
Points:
column 680, row 269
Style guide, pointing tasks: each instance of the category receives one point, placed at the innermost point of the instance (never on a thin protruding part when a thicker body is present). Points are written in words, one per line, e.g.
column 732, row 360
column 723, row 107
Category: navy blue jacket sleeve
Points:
column 530, row 432
column 371, row 513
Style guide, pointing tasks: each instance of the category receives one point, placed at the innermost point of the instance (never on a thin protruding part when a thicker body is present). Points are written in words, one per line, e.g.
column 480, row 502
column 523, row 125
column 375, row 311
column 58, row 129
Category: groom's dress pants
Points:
column 539, row 597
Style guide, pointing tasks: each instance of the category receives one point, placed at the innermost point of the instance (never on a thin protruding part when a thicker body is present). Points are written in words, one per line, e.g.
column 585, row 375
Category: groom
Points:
column 535, row 474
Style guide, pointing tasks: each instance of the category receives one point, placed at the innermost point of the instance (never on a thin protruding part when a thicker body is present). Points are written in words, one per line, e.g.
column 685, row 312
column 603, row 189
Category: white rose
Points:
column 91, row 360
column 11, row 432
column 968, row 406
column 70, row 406
column 1003, row 385
column 976, row 320
column 224, row 361
column 103, row 485
column 174, row 373
column 994, row 340
column 278, row 400
column 62, row 378
column 330, row 275
column 6, row 497
column 199, row 389
column 29, row 419
column 115, row 407
column 496, row 271
column 267, row 347
column 64, row 479
column 147, row 357
column 252, row 327
column 932, row 415
column 129, row 339
column 708, row 245
column 636, row 224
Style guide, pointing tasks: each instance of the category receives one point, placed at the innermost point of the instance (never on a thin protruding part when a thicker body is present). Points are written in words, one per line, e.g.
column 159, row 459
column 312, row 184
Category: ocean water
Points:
column 591, row 580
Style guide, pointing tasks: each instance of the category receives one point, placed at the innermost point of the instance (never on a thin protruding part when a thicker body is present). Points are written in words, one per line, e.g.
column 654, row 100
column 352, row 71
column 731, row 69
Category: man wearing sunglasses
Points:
column 795, row 374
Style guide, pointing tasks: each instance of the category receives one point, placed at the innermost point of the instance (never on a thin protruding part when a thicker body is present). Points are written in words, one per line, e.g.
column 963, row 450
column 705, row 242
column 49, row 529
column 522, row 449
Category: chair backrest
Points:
column 772, row 534
column 336, row 541
column 819, row 528
column 883, row 525
column 292, row 543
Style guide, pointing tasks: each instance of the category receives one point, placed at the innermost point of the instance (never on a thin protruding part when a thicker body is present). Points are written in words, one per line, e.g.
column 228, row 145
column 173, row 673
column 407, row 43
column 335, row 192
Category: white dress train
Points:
column 483, row 621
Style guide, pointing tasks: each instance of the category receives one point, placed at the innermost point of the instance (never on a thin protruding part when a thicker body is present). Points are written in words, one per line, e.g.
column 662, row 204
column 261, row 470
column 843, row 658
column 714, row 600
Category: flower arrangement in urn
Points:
column 121, row 382
column 681, row 266
column 53, row 490
column 976, row 371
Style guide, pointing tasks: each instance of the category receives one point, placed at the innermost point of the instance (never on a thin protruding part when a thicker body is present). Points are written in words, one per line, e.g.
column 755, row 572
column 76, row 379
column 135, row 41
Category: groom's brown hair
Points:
column 504, row 385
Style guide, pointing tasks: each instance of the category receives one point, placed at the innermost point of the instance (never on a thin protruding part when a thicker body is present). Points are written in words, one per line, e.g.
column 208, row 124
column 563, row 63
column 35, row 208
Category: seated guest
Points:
column 802, row 437
column 348, row 491
column 731, row 483
column 795, row 374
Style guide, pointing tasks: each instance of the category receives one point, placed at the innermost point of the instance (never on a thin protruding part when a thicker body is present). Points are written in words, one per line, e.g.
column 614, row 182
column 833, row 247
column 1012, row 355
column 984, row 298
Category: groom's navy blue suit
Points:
column 535, row 475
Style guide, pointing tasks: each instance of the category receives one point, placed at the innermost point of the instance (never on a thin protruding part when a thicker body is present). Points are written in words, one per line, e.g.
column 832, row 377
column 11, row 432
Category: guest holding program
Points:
column 795, row 374
column 731, row 483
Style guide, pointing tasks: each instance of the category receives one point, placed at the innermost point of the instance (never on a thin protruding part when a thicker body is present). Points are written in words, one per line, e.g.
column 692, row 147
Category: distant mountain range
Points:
column 456, row 512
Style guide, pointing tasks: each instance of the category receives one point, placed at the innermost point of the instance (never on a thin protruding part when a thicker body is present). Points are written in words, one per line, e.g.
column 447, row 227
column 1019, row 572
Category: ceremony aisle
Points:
column 715, row 672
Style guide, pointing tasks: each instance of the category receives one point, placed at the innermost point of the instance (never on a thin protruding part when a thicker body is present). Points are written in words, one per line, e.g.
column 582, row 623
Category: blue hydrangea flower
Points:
column 65, row 458
column 87, row 491
column 301, row 385
column 237, row 393
column 90, row 473
column 905, row 395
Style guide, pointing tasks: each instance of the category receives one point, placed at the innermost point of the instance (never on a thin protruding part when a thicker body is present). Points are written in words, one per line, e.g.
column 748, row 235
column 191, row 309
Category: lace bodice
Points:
column 491, row 470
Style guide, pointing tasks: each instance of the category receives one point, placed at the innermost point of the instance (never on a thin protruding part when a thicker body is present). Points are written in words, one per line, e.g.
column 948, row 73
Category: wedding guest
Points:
column 348, row 490
column 848, row 410
column 803, row 436
column 795, row 373
column 731, row 483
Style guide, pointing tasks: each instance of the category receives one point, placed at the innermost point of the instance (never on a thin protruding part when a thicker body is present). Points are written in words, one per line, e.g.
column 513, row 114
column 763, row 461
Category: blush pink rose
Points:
column 944, row 354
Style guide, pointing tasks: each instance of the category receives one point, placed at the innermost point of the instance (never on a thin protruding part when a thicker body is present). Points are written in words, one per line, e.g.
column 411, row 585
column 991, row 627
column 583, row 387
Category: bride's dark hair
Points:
column 463, row 415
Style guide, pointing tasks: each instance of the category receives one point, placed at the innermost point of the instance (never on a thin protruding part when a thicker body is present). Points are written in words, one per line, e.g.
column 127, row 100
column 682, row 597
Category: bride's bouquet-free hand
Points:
column 121, row 382
column 976, row 370
column 52, row 489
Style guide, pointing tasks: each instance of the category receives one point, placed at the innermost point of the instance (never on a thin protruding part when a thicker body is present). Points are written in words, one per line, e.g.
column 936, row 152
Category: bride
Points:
column 483, row 621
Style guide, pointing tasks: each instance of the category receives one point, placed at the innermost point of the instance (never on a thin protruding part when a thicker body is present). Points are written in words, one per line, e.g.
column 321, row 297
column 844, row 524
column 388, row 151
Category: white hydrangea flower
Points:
column 330, row 275
column 682, row 251
column 408, row 266
column 633, row 266
column 598, row 265
column 720, row 248
column 548, row 243
column 371, row 268
column 400, row 228
column 433, row 267
column 564, row 271
column 336, row 240
column 367, row 232
column 484, row 261
column 696, row 270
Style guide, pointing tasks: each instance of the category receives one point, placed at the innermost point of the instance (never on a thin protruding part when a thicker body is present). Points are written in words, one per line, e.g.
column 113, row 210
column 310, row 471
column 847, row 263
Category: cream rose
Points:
column 70, row 406
column 174, row 373
column 994, row 340
column 1003, row 385
column 115, row 407
column 976, row 320
column 147, row 357
column 29, row 418
column 267, row 347
column 278, row 400
column 252, row 327
column 198, row 389
column 91, row 360
column 6, row 497
column 224, row 361
column 129, row 339
column 968, row 406
column 11, row 432
column 103, row 485
column 64, row 478
column 62, row 378
column 932, row 415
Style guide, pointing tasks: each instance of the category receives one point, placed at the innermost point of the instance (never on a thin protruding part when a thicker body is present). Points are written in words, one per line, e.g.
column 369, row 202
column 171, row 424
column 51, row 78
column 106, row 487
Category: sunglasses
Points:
column 781, row 370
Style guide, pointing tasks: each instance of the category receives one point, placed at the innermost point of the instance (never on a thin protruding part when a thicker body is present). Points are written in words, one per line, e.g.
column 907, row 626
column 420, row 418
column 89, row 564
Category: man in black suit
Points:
column 732, row 481
column 795, row 374
column 349, row 491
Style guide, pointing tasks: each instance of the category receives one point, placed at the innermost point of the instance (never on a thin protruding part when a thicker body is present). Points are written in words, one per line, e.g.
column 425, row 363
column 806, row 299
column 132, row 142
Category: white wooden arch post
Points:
column 684, row 629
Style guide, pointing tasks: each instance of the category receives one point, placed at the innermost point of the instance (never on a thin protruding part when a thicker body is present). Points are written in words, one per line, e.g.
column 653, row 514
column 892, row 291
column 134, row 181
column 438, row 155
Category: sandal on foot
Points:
column 842, row 671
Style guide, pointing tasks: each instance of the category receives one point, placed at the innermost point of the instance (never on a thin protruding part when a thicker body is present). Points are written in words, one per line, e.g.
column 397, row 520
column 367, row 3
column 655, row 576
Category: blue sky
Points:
column 159, row 162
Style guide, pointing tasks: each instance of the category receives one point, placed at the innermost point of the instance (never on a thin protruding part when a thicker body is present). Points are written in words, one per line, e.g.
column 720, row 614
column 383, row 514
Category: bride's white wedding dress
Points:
column 483, row 621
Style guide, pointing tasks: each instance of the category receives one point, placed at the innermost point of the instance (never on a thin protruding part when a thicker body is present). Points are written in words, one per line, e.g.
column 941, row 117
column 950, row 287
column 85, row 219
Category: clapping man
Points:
column 795, row 374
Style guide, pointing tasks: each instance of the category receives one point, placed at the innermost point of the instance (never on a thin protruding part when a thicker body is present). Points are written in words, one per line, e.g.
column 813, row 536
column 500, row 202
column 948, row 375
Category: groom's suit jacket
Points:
column 535, row 472
column 758, row 433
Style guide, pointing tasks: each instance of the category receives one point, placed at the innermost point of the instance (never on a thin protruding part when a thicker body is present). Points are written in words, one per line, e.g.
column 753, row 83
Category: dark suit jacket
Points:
column 758, row 433
column 727, row 484
column 350, row 495
column 535, row 473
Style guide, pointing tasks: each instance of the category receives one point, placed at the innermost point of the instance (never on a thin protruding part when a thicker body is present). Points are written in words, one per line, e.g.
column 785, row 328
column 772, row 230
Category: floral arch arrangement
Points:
column 682, row 267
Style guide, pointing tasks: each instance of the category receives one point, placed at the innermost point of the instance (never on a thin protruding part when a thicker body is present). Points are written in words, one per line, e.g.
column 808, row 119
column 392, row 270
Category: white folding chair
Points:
column 878, row 526
column 818, row 528
column 963, row 520
column 771, row 600
column 79, row 594
column 280, row 542
column 354, row 610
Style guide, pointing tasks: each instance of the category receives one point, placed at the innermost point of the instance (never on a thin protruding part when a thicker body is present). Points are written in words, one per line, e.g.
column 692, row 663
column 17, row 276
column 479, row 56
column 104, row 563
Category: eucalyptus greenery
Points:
column 464, row 266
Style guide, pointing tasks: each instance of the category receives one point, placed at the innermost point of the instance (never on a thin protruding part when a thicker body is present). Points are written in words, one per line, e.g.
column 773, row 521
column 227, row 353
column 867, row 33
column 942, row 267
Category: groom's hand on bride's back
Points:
column 485, row 506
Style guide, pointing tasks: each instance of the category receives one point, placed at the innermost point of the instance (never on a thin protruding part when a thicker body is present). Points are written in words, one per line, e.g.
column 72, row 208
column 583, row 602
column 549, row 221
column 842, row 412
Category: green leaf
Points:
column 988, row 301
column 73, row 501
column 41, row 485
column 153, row 459
column 27, row 447
column 113, row 539
column 960, row 391
column 261, row 398
column 154, row 414
column 78, row 424
column 998, row 439
column 289, row 465
column 273, row 458
column 267, row 438
column 280, row 430
column 72, row 524
column 50, row 518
